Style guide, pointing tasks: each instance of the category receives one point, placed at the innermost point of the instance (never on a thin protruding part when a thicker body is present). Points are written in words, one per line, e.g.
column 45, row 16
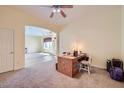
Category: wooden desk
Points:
column 68, row 65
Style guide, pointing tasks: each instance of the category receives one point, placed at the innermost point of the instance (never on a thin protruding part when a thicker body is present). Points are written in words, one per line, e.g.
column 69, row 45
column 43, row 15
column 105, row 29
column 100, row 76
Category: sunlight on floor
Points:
column 34, row 58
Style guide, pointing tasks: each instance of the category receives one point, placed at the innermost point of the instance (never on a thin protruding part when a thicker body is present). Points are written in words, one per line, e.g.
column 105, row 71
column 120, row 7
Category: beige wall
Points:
column 10, row 18
column 34, row 44
column 122, row 34
column 98, row 33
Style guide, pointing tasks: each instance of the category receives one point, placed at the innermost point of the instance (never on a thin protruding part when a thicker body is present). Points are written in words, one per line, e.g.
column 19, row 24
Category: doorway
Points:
column 6, row 50
column 40, row 45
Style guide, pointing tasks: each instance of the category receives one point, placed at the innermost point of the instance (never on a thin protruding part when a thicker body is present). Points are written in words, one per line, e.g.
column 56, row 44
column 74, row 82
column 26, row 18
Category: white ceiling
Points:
column 73, row 14
column 44, row 12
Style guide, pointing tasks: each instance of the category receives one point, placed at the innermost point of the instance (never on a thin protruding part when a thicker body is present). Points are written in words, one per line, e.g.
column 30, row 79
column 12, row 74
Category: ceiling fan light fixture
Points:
column 58, row 10
column 54, row 10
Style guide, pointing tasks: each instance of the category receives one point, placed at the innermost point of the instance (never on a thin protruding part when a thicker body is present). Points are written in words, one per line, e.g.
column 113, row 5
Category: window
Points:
column 47, row 45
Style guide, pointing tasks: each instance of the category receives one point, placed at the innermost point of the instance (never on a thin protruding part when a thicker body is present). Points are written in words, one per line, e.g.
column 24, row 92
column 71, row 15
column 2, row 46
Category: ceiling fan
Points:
column 58, row 9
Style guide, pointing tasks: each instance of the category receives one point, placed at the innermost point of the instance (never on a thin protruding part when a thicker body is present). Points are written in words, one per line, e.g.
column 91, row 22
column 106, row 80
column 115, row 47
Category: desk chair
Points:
column 85, row 65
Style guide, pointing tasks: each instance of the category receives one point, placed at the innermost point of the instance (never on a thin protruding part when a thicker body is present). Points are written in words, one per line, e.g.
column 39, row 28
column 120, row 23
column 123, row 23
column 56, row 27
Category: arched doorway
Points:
column 40, row 45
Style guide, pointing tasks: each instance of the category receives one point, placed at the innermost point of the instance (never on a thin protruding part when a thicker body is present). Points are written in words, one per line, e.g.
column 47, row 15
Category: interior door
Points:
column 6, row 50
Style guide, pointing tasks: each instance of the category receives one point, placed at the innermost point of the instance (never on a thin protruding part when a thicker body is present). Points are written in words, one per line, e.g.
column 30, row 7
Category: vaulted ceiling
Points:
column 44, row 12
column 73, row 14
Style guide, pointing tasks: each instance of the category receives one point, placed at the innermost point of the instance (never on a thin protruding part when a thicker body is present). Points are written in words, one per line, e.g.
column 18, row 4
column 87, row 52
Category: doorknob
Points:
column 11, row 52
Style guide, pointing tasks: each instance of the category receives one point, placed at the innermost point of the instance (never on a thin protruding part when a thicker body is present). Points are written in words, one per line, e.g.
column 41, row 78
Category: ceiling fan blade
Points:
column 66, row 6
column 51, row 15
column 62, row 13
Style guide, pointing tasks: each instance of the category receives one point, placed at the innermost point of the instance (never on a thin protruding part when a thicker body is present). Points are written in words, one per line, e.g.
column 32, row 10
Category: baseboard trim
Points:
column 98, row 66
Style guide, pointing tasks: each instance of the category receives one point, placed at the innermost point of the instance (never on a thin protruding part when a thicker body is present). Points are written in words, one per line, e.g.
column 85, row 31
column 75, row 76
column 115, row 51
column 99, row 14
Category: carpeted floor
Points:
column 43, row 75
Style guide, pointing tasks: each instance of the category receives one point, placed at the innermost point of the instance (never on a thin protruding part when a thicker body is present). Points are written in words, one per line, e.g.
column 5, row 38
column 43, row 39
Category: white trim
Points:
column 98, row 66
